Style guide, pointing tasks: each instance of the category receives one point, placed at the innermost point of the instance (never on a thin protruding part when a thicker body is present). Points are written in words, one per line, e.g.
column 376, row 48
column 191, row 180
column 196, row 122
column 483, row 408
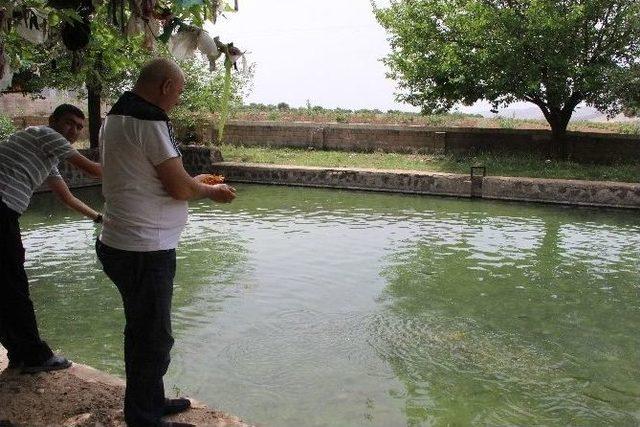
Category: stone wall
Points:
column 582, row 146
column 587, row 193
column 353, row 179
column 584, row 193
column 24, row 104
column 197, row 159
column 570, row 192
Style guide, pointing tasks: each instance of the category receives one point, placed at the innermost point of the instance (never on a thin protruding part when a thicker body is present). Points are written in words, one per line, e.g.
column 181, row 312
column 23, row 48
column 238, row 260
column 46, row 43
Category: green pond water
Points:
column 310, row 307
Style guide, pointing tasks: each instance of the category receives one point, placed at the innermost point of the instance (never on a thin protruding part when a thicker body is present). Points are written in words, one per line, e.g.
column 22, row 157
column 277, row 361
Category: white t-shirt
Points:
column 139, row 214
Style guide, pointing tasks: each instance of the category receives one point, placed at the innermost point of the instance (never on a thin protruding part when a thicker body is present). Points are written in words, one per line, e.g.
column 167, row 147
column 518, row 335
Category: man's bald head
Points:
column 160, row 82
column 157, row 71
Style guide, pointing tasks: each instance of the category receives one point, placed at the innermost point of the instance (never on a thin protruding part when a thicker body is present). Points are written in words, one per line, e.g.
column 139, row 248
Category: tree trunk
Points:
column 559, row 146
column 95, row 118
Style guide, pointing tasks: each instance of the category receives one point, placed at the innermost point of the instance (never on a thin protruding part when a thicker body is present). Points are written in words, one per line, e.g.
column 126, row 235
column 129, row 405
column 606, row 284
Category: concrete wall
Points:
column 570, row 192
column 354, row 179
column 582, row 147
column 198, row 160
column 584, row 193
column 587, row 193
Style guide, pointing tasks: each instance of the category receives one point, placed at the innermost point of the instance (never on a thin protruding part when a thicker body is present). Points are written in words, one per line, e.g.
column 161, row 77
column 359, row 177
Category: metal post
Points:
column 476, row 180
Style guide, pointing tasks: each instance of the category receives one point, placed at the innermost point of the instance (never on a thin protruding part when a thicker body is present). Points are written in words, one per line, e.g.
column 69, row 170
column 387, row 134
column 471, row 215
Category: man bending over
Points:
column 27, row 159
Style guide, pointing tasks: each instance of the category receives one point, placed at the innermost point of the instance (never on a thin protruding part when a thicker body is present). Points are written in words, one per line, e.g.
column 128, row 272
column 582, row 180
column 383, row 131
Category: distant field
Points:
column 322, row 115
column 18, row 105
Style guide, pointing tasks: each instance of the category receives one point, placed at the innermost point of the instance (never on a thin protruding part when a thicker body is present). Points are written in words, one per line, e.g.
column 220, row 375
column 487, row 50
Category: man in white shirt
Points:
column 29, row 158
column 146, row 190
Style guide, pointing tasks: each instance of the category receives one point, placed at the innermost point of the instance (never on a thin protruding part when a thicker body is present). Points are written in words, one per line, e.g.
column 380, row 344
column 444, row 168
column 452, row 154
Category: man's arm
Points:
column 90, row 167
column 60, row 188
column 181, row 186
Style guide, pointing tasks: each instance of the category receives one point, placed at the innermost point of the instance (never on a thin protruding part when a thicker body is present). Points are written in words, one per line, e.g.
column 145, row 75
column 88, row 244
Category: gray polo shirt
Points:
column 27, row 158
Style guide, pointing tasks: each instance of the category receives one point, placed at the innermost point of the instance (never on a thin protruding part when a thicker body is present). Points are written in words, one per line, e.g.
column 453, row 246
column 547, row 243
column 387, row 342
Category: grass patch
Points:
column 526, row 166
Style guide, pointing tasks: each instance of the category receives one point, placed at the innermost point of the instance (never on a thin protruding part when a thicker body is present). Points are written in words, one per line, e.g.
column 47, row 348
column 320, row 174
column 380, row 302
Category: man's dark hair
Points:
column 63, row 109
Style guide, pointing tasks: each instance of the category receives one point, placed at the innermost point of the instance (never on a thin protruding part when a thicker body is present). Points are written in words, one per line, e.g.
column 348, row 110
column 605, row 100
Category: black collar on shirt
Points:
column 132, row 105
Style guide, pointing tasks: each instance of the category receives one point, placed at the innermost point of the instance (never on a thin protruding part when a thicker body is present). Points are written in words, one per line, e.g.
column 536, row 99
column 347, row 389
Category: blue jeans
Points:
column 145, row 282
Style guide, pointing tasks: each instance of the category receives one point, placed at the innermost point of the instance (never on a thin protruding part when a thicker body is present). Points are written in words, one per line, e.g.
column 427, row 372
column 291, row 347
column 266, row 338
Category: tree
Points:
column 553, row 53
column 92, row 47
column 629, row 93
column 108, row 64
column 204, row 94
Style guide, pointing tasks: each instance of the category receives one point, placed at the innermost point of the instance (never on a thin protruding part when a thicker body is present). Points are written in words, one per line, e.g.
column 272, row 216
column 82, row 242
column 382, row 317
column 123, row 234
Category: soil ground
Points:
column 78, row 396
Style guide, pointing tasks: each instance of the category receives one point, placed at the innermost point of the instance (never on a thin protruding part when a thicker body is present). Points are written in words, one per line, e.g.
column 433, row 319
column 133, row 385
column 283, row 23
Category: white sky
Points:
column 325, row 51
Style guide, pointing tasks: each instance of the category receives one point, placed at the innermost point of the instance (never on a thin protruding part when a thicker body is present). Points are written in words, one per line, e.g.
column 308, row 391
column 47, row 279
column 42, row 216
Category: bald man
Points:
column 146, row 190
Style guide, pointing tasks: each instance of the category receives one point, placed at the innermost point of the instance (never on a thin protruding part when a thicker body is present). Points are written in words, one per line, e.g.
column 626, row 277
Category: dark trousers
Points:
column 18, row 326
column 145, row 282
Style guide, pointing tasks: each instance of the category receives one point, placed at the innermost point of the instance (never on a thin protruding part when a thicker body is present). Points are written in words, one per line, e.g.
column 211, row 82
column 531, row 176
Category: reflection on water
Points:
column 319, row 308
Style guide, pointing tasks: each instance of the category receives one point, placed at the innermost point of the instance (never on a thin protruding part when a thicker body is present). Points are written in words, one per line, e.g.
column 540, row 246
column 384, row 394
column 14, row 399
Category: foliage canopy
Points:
column 553, row 53
column 120, row 36
column 204, row 93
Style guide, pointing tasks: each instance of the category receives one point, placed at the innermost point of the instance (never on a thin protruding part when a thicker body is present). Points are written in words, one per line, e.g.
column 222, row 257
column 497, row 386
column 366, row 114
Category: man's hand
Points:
column 61, row 190
column 222, row 193
column 181, row 186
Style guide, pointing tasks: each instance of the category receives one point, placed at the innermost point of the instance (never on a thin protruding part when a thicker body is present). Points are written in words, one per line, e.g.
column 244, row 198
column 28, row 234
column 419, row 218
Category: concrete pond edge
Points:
column 556, row 191
column 198, row 159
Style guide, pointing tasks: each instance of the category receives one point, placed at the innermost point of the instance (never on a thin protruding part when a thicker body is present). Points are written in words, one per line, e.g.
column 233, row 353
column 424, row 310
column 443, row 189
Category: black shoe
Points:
column 54, row 363
column 174, row 406
column 175, row 424
column 14, row 364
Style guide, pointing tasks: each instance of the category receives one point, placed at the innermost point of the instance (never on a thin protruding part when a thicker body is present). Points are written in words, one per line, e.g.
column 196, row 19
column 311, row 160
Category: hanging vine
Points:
column 226, row 96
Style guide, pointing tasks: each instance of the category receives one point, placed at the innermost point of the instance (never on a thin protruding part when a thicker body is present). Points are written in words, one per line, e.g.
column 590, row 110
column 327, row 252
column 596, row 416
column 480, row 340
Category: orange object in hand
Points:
column 213, row 179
